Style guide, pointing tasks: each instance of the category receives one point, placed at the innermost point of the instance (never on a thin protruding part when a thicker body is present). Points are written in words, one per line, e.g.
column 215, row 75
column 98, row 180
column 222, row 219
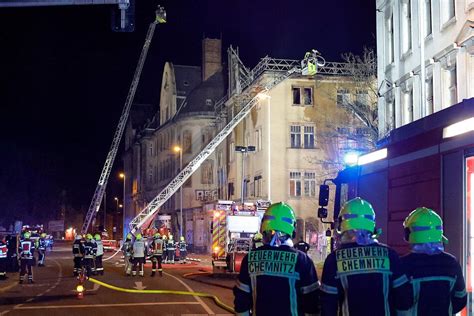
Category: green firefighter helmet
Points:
column 258, row 237
column 138, row 236
column 157, row 235
column 129, row 236
column 43, row 235
column 89, row 237
column 181, row 238
column 357, row 214
column 165, row 237
column 279, row 217
column 423, row 225
column 97, row 237
column 27, row 235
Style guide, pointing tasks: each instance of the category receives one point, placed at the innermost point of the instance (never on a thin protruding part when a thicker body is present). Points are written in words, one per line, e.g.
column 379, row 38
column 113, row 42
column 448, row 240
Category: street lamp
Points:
column 122, row 176
column 243, row 150
column 180, row 150
column 117, row 204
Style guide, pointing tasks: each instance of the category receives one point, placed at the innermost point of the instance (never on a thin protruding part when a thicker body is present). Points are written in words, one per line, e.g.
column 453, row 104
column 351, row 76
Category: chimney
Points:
column 211, row 57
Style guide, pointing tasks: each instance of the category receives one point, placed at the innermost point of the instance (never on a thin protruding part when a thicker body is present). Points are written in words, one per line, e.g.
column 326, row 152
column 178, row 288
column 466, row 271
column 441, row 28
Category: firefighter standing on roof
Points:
column 41, row 249
column 276, row 279
column 139, row 254
column 26, row 252
column 99, row 268
column 362, row 277
column 3, row 258
column 436, row 276
column 90, row 249
column 78, row 253
column 156, row 249
column 127, row 254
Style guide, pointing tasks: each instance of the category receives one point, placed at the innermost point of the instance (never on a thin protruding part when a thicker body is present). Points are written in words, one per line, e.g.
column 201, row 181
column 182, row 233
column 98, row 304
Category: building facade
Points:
column 440, row 33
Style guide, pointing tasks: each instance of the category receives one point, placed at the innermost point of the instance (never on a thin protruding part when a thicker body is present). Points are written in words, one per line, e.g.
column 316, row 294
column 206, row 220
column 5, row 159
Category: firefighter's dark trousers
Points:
column 3, row 268
column 77, row 265
column 154, row 260
column 138, row 266
column 171, row 255
column 26, row 266
column 41, row 255
column 88, row 263
column 99, row 268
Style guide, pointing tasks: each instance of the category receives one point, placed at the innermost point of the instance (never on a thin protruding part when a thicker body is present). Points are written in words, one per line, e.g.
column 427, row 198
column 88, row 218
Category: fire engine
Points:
column 429, row 162
column 232, row 228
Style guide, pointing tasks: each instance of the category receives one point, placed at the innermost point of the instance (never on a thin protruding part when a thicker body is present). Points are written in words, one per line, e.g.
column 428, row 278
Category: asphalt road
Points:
column 53, row 292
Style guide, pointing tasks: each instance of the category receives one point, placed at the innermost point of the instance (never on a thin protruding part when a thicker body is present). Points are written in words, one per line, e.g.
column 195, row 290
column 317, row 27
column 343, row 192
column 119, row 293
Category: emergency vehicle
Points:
column 232, row 228
column 429, row 162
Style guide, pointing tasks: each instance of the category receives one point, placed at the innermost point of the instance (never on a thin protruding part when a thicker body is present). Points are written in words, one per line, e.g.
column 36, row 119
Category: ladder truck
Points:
column 254, row 92
column 160, row 17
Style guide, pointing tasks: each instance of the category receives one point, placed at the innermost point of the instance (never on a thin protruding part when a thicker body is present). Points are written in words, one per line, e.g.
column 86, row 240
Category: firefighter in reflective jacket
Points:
column 99, row 268
column 165, row 251
column 362, row 277
column 41, row 249
column 138, row 255
column 3, row 258
column 276, row 279
column 127, row 254
column 78, row 253
column 26, row 251
column 436, row 276
column 170, row 249
column 156, row 250
column 90, row 249
column 183, row 251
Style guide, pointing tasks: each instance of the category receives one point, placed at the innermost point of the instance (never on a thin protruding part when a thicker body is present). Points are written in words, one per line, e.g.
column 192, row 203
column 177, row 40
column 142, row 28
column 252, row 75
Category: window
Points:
column 232, row 151
column 187, row 142
column 362, row 97
column 309, row 137
column 390, row 114
column 406, row 26
column 295, row 183
column 150, row 174
column 343, row 130
column 258, row 186
column 451, row 83
column 429, row 96
column 447, row 10
column 408, row 106
column 295, row 136
column 208, row 102
column 428, row 18
column 390, row 40
column 309, row 184
column 150, row 152
column 307, row 94
column 258, row 140
column 207, row 171
column 296, row 96
column 343, row 96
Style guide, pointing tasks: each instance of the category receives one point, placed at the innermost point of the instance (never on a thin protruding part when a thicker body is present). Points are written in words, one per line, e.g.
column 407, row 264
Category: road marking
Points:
column 204, row 305
column 107, row 305
column 139, row 286
column 6, row 288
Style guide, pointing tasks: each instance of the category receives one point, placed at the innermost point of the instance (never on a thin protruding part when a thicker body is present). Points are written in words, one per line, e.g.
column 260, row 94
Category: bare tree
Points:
column 363, row 72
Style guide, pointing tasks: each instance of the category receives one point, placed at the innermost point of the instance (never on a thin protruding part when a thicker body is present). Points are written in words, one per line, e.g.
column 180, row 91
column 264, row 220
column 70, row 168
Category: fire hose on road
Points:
column 200, row 294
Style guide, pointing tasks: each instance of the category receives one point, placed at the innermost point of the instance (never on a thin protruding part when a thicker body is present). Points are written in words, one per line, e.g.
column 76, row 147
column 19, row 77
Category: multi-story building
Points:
column 440, row 34
column 183, row 126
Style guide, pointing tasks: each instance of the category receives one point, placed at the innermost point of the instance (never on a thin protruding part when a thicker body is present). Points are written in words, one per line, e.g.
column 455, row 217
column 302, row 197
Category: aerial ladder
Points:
column 248, row 101
column 160, row 17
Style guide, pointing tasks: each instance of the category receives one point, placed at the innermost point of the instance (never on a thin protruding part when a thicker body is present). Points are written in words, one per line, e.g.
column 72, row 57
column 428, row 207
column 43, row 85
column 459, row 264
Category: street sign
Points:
column 56, row 226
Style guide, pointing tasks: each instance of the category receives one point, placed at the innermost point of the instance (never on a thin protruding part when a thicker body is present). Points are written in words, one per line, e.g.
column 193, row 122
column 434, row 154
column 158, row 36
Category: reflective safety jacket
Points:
column 26, row 249
column 182, row 246
column 90, row 249
column 170, row 245
column 127, row 248
column 276, row 281
column 139, row 250
column 3, row 250
column 156, row 247
column 364, row 280
column 100, row 248
column 438, row 284
column 41, row 244
column 78, row 248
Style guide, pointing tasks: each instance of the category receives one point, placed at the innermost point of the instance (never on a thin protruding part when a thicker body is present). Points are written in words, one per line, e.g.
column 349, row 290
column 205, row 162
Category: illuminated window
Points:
column 295, row 184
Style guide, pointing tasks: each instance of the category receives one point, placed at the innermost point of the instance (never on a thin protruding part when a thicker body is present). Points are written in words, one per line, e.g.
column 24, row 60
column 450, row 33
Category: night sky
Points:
column 64, row 77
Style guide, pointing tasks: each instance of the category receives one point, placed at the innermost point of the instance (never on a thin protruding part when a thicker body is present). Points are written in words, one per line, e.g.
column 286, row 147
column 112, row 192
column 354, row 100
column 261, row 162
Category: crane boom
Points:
column 104, row 176
column 248, row 103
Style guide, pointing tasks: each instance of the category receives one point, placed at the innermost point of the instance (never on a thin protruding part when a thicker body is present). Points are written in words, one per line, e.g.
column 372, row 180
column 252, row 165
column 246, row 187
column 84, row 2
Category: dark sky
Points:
column 64, row 77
